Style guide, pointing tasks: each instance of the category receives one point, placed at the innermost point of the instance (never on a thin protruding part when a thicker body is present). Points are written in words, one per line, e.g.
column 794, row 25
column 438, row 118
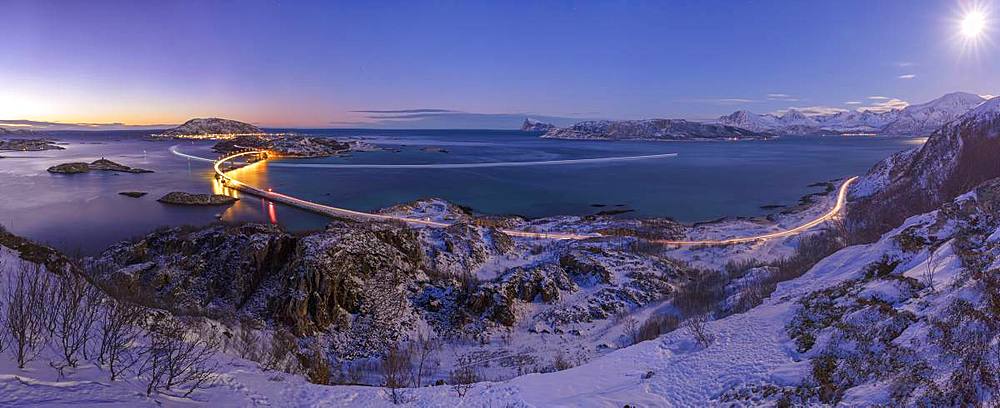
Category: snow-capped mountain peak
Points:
column 914, row 120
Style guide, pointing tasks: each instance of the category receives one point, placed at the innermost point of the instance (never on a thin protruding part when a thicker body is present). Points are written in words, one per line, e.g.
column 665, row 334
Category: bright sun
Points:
column 973, row 24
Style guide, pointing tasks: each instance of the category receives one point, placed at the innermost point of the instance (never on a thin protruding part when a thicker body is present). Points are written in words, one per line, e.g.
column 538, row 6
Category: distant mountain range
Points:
column 914, row 120
column 652, row 129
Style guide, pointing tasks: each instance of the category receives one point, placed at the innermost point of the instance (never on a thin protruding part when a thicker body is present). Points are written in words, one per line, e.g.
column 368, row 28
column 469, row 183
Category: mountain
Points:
column 923, row 119
column 531, row 125
column 955, row 158
column 751, row 121
column 652, row 129
column 213, row 126
column 914, row 120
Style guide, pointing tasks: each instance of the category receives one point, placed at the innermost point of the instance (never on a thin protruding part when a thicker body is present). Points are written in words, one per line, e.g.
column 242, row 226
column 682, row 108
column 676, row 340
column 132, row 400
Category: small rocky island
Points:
column 531, row 125
column 207, row 128
column 97, row 165
column 133, row 194
column 28, row 145
column 653, row 129
column 182, row 198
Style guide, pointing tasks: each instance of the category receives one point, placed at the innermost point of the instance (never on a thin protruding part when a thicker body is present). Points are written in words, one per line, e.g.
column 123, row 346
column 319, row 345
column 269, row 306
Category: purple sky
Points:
column 278, row 63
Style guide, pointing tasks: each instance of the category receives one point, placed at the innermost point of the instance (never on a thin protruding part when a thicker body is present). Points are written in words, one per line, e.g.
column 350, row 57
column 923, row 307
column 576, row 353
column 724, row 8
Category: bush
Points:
column 657, row 324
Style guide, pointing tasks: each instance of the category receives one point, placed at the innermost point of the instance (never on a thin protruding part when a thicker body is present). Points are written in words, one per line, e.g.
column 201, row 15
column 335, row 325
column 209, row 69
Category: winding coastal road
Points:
column 359, row 215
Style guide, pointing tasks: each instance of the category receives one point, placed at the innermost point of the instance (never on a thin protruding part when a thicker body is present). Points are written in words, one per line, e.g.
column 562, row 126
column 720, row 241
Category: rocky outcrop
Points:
column 28, row 145
column 97, row 165
column 653, row 129
column 366, row 285
column 182, row 198
column 212, row 126
column 531, row 125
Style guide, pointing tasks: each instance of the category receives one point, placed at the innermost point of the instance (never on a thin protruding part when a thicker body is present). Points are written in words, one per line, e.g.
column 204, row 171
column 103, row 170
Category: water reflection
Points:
column 256, row 175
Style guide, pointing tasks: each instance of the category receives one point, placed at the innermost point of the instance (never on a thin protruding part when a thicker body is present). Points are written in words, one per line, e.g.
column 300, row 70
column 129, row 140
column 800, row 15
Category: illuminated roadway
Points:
column 358, row 215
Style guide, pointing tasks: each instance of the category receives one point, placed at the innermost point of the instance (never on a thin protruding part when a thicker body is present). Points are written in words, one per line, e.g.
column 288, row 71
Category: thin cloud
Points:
column 886, row 106
column 905, row 64
column 812, row 110
column 907, row 76
column 781, row 97
column 734, row 100
column 41, row 125
column 852, row 103
column 397, row 111
column 879, row 98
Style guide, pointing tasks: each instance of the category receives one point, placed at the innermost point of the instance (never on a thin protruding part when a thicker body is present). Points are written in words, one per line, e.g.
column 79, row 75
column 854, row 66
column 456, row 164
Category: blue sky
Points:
column 318, row 64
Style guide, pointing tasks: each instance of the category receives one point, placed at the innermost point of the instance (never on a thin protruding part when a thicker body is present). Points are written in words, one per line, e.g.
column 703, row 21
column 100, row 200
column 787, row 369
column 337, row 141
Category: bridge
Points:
column 337, row 212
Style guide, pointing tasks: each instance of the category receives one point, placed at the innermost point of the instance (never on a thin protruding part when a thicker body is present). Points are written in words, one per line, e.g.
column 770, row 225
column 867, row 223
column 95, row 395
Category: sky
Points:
column 476, row 64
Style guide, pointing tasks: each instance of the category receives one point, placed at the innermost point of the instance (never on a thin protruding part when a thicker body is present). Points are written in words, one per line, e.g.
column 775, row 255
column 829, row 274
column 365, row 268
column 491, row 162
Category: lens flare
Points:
column 973, row 24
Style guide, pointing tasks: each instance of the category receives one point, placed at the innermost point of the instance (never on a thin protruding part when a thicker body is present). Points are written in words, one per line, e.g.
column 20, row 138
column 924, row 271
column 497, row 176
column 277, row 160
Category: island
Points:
column 653, row 129
column 28, row 145
column 209, row 128
column 286, row 145
column 182, row 198
column 97, row 165
column 133, row 194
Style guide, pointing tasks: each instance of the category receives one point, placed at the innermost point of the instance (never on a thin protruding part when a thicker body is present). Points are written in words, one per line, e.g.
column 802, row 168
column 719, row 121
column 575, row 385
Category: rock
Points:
column 182, row 198
column 434, row 150
column 28, row 145
column 133, row 194
column 97, row 165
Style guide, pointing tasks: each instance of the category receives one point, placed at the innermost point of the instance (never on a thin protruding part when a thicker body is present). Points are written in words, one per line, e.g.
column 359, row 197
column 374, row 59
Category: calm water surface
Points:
column 706, row 180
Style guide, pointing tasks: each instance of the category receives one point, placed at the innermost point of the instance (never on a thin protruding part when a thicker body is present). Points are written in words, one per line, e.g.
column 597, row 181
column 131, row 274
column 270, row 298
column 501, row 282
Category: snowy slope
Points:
column 750, row 352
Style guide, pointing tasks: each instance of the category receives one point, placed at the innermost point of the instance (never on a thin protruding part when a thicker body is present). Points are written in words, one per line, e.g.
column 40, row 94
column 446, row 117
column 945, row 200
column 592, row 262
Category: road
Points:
column 359, row 215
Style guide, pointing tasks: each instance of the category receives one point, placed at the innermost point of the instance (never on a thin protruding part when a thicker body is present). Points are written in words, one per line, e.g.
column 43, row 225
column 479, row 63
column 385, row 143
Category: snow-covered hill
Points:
column 914, row 120
column 212, row 126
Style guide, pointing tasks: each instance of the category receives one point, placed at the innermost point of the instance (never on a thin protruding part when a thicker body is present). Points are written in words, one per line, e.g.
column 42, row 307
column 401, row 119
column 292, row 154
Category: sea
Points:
column 517, row 173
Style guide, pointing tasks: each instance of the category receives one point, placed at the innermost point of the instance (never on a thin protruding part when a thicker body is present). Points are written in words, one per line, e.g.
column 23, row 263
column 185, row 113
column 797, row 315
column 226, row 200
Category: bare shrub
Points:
column 170, row 361
column 248, row 342
column 319, row 364
column 462, row 379
column 282, row 353
column 27, row 318
column 560, row 362
column 928, row 275
column 696, row 326
column 630, row 329
column 423, row 348
column 657, row 324
column 118, row 328
column 702, row 294
column 395, row 365
column 74, row 315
